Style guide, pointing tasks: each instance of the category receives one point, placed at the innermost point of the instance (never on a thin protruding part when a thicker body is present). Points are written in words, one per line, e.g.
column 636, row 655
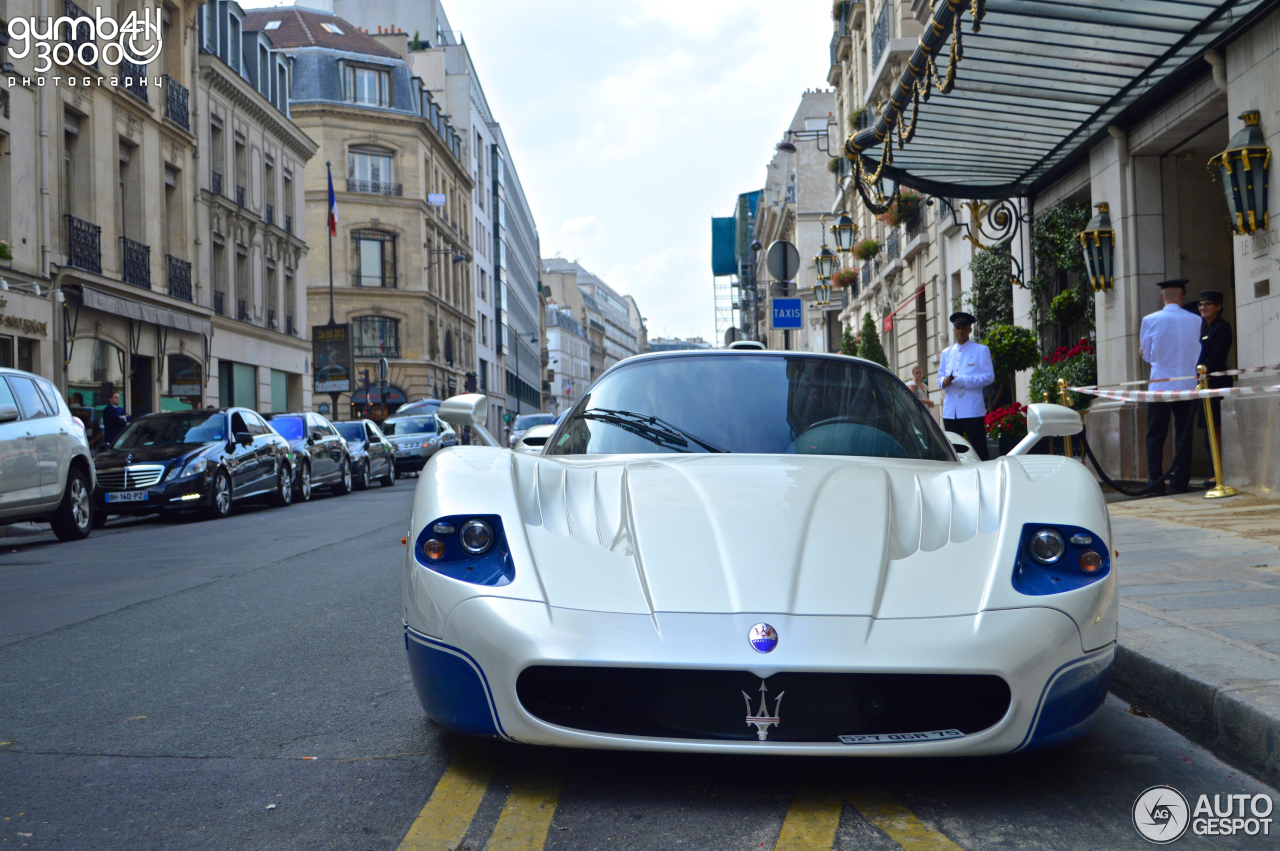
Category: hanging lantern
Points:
column 825, row 262
column 1099, row 242
column 1243, row 166
column 822, row 294
column 845, row 232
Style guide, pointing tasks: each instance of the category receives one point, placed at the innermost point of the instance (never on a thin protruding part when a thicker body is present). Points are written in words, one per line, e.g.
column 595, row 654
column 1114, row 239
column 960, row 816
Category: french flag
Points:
column 333, row 208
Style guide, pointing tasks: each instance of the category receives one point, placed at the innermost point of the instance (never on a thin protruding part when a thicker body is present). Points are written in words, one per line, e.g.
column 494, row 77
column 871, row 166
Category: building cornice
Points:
column 218, row 77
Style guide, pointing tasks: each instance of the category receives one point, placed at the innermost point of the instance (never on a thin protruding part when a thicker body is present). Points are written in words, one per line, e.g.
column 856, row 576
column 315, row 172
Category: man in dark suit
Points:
column 1215, row 346
column 114, row 418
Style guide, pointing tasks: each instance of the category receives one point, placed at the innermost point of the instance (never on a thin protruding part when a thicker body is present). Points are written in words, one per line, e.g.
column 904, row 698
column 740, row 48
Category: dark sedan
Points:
column 319, row 453
column 205, row 460
column 372, row 456
column 416, row 438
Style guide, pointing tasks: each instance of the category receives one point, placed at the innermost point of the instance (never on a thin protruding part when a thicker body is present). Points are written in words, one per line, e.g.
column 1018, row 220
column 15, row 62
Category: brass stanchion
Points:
column 1221, row 490
column 1064, row 399
column 1051, row 446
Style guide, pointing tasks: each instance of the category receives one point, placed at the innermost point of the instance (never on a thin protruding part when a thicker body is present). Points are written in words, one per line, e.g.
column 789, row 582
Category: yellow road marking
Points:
column 526, row 818
column 811, row 822
column 899, row 822
column 447, row 814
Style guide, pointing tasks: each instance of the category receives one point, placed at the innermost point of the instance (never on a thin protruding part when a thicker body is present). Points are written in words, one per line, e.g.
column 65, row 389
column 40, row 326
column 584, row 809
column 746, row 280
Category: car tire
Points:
column 343, row 485
column 219, row 496
column 73, row 521
column 362, row 479
column 390, row 478
column 100, row 518
column 304, row 482
column 282, row 496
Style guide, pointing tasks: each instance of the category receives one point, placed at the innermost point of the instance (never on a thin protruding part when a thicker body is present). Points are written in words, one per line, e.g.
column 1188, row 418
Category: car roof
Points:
column 742, row 353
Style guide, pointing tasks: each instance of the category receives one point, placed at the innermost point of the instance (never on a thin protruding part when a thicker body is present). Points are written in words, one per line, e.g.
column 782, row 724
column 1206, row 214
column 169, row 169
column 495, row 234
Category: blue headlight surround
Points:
column 493, row 569
column 1034, row 579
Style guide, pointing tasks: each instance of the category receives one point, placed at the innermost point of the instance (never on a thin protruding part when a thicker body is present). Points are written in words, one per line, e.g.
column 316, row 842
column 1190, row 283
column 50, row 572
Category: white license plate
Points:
column 403, row 453
column 898, row 738
column 127, row 496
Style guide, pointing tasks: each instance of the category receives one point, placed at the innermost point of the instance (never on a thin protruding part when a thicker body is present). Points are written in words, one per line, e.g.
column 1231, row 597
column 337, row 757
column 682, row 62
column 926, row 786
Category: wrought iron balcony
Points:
column 239, row 196
column 134, row 78
column 866, row 275
column 880, row 35
column 288, row 325
column 220, row 303
column 215, row 185
column 916, row 224
column 77, row 36
column 179, row 278
column 891, row 245
column 288, row 224
column 84, row 245
column 136, row 262
column 242, row 310
column 373, row 187
column 270, row 214
column 271, row 318
column 176, row 103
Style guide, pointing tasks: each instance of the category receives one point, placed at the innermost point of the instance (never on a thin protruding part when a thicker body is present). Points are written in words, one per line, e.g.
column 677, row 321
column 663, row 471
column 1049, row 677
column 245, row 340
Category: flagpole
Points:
column 329, row 228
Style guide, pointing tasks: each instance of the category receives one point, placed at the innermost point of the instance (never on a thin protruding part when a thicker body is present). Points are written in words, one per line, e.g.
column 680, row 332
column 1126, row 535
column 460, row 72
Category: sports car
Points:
column 759, row 552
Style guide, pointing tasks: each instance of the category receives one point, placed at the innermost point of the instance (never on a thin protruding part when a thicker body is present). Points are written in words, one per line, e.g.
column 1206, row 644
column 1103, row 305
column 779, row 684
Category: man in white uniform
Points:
column 1170, row 342
column 963, row 370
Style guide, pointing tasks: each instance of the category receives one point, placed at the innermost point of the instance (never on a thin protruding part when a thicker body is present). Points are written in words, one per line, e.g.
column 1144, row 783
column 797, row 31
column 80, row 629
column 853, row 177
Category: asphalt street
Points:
column 242, row 684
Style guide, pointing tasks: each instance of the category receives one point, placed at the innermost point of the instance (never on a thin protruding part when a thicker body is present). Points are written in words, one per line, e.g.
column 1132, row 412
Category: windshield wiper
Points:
column 647, row 426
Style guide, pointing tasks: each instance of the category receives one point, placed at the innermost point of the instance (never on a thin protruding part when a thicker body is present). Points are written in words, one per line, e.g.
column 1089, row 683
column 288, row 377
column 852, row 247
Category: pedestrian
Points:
column 1170, row 342
column 964, row 369
column 114, row 417
column 1215, row 345
column 921, row 390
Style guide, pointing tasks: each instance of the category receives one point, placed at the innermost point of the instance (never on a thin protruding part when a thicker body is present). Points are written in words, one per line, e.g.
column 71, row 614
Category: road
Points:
column 242, row 684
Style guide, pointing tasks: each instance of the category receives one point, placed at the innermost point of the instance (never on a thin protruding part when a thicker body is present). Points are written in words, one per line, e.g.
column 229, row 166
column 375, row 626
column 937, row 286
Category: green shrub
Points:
column 869, row 347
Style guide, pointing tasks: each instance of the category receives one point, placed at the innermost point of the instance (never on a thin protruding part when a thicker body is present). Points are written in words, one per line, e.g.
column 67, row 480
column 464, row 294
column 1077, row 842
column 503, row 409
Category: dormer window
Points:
column 272, row 25
column 333, row 28
column 368, row 86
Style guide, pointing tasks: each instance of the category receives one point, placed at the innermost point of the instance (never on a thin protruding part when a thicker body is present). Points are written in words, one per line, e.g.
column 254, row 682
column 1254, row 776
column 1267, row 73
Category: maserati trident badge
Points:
column 763, row 638
column 762, row 720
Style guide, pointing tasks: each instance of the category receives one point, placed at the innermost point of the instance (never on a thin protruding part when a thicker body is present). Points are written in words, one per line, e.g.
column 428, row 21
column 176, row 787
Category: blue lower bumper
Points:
column 1074, row 693
column 451, row 687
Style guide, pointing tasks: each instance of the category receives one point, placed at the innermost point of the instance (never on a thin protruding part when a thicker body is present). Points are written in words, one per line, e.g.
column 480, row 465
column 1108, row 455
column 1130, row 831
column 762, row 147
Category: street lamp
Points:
column 1243, row 166
column 1099, row 243
column 822, row 294
column 845, row 232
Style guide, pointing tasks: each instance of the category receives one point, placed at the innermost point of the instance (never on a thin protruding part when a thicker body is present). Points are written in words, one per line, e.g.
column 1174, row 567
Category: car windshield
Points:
column 171, row 429
column 290, row 428
column 351, row 431
column 528, row 421
column 410, row 425
column 422, row 406
column 759, row 403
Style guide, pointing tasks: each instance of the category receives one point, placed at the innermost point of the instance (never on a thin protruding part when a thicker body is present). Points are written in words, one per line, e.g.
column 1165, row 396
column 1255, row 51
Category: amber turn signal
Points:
column 1090, row 561
column 404, row 542
column 433, row 549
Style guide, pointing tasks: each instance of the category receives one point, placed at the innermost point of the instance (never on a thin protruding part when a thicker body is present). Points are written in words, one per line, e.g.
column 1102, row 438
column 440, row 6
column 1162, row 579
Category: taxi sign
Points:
column 787, row 314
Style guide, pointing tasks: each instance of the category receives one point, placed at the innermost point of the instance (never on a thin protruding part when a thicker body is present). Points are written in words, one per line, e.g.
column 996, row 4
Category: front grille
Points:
column 125, row 478
column 816, row 707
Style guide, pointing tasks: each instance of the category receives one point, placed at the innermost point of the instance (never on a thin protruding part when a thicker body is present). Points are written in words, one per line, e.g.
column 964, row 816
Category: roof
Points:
column 1040, row 83
column 303, row 28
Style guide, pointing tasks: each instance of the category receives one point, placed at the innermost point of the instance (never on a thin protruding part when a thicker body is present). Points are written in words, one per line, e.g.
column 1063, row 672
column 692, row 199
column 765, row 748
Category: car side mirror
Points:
column 8, row 413
column 244, row 438
column 1046, row 420
column 471, row 409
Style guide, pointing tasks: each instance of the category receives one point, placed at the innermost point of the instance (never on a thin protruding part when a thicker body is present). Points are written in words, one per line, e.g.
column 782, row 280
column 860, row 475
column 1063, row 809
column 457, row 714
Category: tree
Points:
column 848, row 343
column 991, row 299
column 869, row 347
column 1013, row 349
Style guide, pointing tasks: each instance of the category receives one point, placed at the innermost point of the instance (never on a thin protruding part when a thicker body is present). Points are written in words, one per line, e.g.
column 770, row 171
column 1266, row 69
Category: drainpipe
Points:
column 1219, row 64
column 42, row 121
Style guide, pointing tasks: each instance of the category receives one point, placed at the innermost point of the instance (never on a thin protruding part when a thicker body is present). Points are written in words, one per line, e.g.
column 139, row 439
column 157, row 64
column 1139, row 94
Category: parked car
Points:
column 416, row 439
column 204, row 460
column 524, row 422
column 46, row 470
column 422, row 406
column 533, row 440
column 372, row 455
column 320, row 455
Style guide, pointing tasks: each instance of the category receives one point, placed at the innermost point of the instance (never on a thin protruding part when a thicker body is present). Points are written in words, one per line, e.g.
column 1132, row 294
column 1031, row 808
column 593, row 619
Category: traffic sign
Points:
column 787, row 315
column 782, row 261
column 382, row 369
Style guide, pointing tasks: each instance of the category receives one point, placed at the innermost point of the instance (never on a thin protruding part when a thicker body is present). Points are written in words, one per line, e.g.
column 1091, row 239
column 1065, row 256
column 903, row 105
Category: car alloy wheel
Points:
column 74, row 518
column 220, row 502
column 304, row 482
column 363, row 484
column 286, row 484
column 343, row 485
column 81, row 508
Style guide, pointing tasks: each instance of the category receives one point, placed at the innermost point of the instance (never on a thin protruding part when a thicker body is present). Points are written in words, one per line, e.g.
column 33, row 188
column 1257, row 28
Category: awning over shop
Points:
column 136, row 310
column 1037, row 84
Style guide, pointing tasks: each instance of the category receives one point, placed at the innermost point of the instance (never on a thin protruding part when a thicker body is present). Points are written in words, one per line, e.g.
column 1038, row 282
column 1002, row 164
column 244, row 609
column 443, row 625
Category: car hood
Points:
column 147, row 454
column 412, row 438
column 801, row 535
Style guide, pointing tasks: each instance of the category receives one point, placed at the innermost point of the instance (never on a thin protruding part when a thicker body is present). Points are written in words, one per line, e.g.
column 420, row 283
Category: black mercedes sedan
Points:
column 372, row 456
column 320, row 455
column 204, row 460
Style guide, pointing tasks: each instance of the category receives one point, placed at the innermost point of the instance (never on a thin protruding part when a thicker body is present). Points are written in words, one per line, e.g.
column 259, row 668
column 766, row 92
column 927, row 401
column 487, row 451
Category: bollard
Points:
column 1221, row 490
column 1064, row 399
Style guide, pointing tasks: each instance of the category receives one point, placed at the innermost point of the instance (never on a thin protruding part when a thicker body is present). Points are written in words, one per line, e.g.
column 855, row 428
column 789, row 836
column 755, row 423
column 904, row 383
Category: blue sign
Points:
column 787, row 314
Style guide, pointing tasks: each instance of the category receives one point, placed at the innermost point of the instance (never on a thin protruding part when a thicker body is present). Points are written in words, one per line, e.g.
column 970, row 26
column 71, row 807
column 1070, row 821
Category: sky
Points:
column 632, row 124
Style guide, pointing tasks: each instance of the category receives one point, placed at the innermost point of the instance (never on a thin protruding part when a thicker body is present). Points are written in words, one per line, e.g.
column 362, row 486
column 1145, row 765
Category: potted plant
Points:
column 1007, row 426
column 835, row 165
column 905, row 207
column 866, row 249
column 845, row 278
column 858, row 118
column 1078, row 364
column 839, row 9
column 6, row 253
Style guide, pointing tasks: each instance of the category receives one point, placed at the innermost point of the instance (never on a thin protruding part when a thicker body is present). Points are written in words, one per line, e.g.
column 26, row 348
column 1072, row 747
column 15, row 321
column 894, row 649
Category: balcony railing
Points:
column 76, row 36
column 880, row 35
column 892, row 246
column 84, row 245
column 220, row 303
column 916, row 224
column 270, row 214
column 239, row 196
column 866, row 275
column 137, row 262
column 373, row 187
column 242, row 310
column 288, row 224
column 288, row 325
column 177, row 103
column 134, row 78
column 271, row 318
column 179, row 278
column 385, row 281
column 215, row 185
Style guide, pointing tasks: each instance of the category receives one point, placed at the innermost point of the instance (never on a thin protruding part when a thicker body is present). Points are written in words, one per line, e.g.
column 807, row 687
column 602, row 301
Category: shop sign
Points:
column 22, row 325
column 184, row 376
column 331, row 353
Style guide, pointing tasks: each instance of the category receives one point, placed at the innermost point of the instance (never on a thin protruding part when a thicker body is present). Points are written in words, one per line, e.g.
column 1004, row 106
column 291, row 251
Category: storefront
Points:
column 26, row 328
column 369, row 403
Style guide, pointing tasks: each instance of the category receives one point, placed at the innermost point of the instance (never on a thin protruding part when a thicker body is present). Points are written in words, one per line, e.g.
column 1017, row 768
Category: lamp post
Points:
column 1243, row 167
column 1099, row 243
column 845, row 232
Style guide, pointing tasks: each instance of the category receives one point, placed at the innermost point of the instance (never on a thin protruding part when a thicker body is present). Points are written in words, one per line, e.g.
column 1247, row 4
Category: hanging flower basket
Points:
column 858, row 119
column 866, row 249
column 903, row 208
column 844, row 278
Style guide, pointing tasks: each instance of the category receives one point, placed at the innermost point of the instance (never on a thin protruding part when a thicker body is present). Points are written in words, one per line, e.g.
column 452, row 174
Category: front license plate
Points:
column 403, row 453
column 899, row 738
column 127, row 496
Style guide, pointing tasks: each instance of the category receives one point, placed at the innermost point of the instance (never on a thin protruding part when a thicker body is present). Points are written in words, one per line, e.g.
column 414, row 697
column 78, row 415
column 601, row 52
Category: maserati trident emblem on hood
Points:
column 762, row 720
column 763, row 638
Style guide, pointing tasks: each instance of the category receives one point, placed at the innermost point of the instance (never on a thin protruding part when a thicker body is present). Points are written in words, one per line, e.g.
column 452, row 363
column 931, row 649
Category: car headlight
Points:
column 476, row 537
column 1047, row 546
column 195, row 467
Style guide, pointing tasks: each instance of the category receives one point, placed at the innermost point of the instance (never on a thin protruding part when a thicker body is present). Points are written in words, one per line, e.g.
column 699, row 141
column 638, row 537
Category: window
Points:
column 371, row 165
column 333, row 28
column 376, row 337
column 30, row 402
column 375, row 258
column 367, row 85
column 272, row 25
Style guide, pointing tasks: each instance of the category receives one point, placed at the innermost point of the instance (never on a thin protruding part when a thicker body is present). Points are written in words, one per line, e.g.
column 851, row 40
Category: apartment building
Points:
column 600, row 308
column 569, row 366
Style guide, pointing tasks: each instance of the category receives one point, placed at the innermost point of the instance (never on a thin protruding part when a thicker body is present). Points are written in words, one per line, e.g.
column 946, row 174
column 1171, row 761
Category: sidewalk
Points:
column 1200, row 621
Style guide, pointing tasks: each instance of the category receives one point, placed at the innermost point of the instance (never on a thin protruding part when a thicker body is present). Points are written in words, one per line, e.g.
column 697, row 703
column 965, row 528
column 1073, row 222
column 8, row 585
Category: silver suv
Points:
column 46, row 470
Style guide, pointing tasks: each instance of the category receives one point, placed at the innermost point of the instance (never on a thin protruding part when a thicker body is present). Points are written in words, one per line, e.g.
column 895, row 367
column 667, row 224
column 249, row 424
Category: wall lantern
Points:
column 826, row 263
column 1243, row 166
column 845, row 232
column 1099, row 242
column 821, row 294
